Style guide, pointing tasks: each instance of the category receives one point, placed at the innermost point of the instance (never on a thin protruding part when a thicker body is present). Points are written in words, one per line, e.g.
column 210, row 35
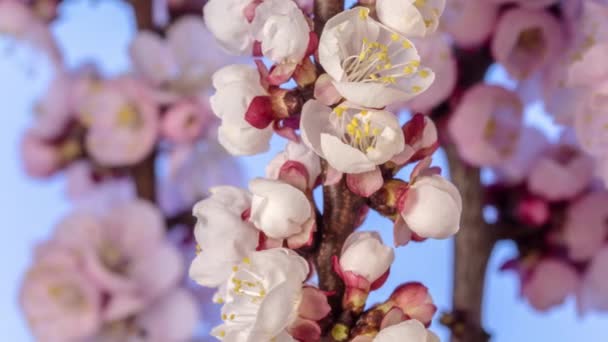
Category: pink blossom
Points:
column 561, row 173
column 526, row 40
column 436, row 52
column 54, row 110
column 59, row 301
column 531, row 145
column 469, row 22
column 122, row 121
column 591, row 122
column 186, row 121
column 486, row 125
column 125, row 253
column 40, row 158
column 528, row 3
column 593, row 293
column 549, row 284
column 586, row 227
column 414, row 300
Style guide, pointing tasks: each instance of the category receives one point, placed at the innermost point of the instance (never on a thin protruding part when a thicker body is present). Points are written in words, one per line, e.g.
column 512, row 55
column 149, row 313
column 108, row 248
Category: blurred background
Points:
column 100, row 31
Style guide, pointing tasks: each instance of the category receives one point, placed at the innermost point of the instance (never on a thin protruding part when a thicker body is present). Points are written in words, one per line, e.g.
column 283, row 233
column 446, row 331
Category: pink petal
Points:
column 365, row 184
column 314, row 304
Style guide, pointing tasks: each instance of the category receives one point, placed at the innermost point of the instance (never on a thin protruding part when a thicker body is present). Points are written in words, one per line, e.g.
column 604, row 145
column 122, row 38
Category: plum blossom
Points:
column 282, row 30
column 122, row 120
column 53, row 111
column 526, row 40
column 186, row 121
column 593, row 294
column 353, row 140
column 469, row 22
column 125, row 249
column 230, row 23
column 281, row 211
column 174, row 317
column 364, row 255
column 236, row 87
column 586, row 228
column 40, row 158
column 378, row 68
column 263, row 297
column 591, row 122
column 486, row 125
column 183, row 62
column 414, row 301
column 297, row 165
column 412, row 18
column 549, row 284
column 431, row 208
column 532, row 143
column 561, row 173
column 59, row 301
column 224, row 237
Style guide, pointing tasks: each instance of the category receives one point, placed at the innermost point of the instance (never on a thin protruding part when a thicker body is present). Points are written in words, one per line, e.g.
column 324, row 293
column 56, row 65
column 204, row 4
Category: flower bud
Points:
column 432, row 207
column 415, row 301
column 297, row 165
column 365, row 255
column 280, row 210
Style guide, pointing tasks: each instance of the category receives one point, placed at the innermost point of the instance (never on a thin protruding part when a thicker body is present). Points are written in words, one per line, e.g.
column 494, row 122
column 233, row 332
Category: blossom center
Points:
column 357, row 129
column 376, row 62
column 531, row 40
column 127, row 117
column 68, row 295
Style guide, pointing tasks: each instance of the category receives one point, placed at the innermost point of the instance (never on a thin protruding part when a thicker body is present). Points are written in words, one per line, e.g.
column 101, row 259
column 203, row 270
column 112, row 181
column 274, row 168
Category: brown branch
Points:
column 144, row 174
column 475, row 240
column 324, row 10
column 340, row 214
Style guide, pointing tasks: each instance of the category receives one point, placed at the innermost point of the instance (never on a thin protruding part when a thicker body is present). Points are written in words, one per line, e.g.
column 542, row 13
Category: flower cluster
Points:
column 255, row 246
column 109, row 276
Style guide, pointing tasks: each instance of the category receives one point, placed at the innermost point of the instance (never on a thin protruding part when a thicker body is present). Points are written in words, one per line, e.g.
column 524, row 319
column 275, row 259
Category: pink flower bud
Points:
column 549, row 283
column 297, row 165
column 415, row 301
column 365, row 255
column 533, row 211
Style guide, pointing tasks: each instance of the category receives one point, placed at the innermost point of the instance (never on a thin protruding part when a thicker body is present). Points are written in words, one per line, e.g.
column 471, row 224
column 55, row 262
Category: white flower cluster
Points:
column 246, row 238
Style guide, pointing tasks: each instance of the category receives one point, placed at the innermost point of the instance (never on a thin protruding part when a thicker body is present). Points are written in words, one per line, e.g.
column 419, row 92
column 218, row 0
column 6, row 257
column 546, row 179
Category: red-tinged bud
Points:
column 415, row 301
column 313, row 44
column 294, row 173
column 306, row 73
column 259, row 114
column 366, row 183
column 285, row 103
column 533, row 211
column 281, row 73
column 421, row 140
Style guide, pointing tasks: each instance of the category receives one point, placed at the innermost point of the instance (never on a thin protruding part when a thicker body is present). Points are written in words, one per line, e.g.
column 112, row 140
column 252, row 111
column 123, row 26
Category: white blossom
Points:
column 263, row 297
column 352, row 140
column 371, row 66
column 224, row 237
column 296, row 153
column 236, row 86
column 282, row 29
column 279, row 209
column 227, row 21
column 413, row 18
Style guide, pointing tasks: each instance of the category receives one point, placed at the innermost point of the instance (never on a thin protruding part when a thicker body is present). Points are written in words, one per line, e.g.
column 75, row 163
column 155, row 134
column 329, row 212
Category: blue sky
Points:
column 101, row 33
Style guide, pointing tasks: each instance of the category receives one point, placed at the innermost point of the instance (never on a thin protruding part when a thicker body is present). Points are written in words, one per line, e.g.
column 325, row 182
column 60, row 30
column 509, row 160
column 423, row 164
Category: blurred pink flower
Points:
column 486, row 125
column 586, row 226
column 527, row 3
column 186, row 121
column 549, row 284
column 126, row 254
column 173, row 317
column 591, row 123
column 40, row 158
column 561, row 173
column 469, row 22
column 59, row 301
column 54, row 110
column 183, row 62
column 122, row 120
column 436, row 53
column 532, row 143
column 526, row 41
column 593, row 294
